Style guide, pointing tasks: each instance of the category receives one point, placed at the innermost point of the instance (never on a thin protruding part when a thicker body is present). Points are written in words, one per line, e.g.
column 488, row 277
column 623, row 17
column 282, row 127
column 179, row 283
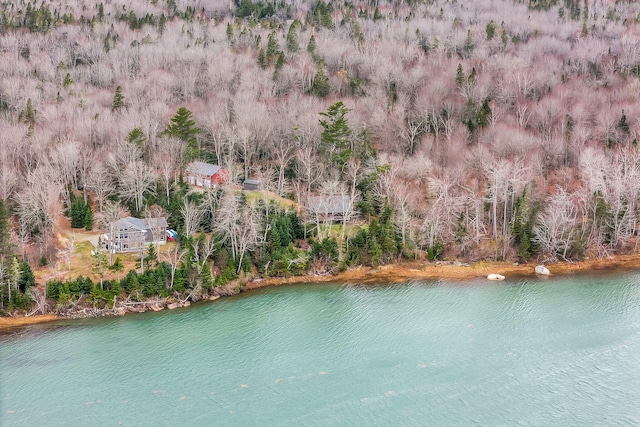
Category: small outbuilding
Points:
column 251, row 184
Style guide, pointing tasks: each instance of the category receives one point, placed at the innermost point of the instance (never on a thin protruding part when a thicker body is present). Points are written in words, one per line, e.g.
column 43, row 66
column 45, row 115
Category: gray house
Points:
column 131, row 234
column 329, row 208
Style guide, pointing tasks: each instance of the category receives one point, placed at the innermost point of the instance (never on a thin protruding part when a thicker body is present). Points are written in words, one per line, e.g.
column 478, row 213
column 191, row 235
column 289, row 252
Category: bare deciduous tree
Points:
column 174, row 256
column 240, row 225
column 192, row 215
column 136, row 182
column 169, row 159
column 555, row 230
column 100, row 182
column 39, row 204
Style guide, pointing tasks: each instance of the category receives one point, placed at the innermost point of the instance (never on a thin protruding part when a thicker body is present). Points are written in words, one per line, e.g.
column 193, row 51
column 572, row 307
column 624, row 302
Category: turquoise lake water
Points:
column 528, row 352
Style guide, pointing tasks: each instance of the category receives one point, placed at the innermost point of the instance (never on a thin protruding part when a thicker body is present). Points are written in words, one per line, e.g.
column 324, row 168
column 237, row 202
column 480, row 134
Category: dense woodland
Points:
column 498, row 130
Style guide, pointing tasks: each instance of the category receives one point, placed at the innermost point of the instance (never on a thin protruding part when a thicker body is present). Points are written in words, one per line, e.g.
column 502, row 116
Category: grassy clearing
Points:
column 270, row 196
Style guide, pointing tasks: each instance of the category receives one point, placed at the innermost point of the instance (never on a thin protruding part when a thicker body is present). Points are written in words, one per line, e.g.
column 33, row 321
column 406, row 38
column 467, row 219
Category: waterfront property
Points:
column 206, row 175
column 335, row 208
column 131, row 234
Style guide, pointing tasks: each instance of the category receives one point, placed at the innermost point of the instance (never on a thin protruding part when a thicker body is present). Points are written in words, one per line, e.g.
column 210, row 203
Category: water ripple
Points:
column 557, row 352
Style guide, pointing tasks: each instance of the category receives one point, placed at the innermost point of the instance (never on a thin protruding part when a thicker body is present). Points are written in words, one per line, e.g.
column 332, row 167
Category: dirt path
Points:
column 66, row 233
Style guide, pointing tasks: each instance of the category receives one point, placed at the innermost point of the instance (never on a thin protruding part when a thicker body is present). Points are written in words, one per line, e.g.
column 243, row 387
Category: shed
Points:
column 251, row 184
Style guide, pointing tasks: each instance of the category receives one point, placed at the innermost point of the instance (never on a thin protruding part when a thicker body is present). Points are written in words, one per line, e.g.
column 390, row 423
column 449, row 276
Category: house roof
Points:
column 328, row 205
column 202, row 168
column 252, row 181
column 140, row 224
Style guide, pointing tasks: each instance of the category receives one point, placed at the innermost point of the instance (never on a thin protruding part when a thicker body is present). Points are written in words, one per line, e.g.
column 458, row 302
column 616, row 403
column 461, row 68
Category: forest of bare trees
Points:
column 479, row 130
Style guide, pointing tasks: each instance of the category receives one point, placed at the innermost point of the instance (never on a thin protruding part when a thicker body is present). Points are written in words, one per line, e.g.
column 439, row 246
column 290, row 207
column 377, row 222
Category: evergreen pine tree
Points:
column 274, row 234
column 6, row 248
column 118, row 100
column 162, row 23
column 13, row 277
column 29, row 114
column 137, row 138
column 68, row 81
column 152, row 255
column 312, row 48
column 320, row 86
column 376, row 14
column 78, row 213
column 461, row 230
column 134, row 287
column 336, row 133
column 229, row 32
column 106, row 44
column 27, row 278
column 88, row 218
column 292, row 37
column 183, row 127
column 273, row 47
column 622, row 123
column 468, row 44
column 206, row 279
column 327, row 17
column 490, row 30
column 525, row 246
column 280, row 62
column 484, row 114
column 388, row 242
column 117, row 266
column 374, row 250
column 503, row 36
column 522, row 228
column 262, row 59
column 459, row 76
column 472, row 76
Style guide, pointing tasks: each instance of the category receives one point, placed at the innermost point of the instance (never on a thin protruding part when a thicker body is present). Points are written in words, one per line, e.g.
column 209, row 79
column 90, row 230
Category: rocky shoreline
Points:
column 392, row 273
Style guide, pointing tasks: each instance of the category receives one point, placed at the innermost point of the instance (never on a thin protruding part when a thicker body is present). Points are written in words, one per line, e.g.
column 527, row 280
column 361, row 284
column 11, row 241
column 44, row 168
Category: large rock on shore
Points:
column 542, row 270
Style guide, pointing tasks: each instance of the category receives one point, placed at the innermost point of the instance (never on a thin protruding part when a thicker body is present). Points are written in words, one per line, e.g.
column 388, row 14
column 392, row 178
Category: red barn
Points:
column 206, row 175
